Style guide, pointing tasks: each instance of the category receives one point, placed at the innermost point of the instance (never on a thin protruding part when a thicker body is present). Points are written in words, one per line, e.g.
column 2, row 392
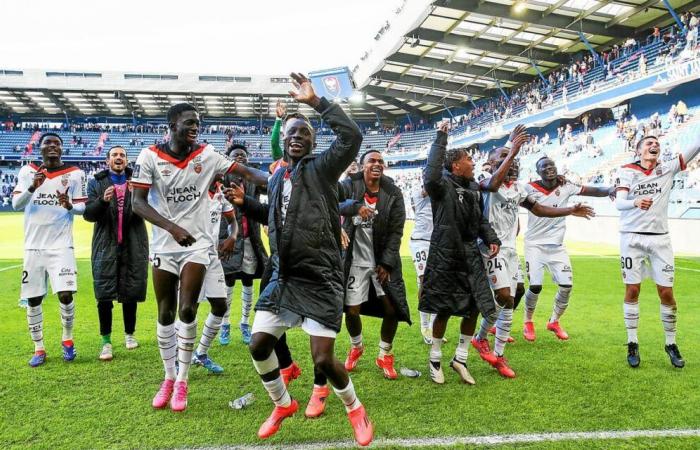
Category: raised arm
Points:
column 333, row 161
column 275, row 145
column 517, row 138
column 432, row 174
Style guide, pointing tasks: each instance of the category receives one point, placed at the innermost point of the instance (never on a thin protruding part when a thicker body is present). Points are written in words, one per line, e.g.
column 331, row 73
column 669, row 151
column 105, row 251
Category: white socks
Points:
column 356, row 341
column 668, row 319
column 462, row 348
column 530, row 304
column 436, row 350
column 503, row 326
column 384, row 348
column 35, row 320
column 488, row 322
column 211, row 327
column 426, row 320
column 348, row 396
column 227, row 314
column 278, row 392
column 67, row 315
column 167, row 345
column 186, row 334
column 246, row 302
column 561, row 301
column 631, row 311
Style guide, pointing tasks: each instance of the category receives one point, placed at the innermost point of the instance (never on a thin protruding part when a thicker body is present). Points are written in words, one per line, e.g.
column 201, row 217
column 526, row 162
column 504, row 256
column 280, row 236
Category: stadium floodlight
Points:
column 519, row 7
column 357, row 98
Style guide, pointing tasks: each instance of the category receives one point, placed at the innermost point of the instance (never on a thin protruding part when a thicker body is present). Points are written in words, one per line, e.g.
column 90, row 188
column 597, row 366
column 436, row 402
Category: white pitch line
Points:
column 476, row 440
column 10, row 267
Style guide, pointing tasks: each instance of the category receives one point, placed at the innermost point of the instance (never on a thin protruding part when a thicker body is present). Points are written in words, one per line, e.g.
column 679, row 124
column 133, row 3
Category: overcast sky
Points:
column 219, row 37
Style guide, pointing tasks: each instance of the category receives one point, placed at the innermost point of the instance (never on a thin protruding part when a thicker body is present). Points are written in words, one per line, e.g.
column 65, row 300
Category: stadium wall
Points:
column 605, row 230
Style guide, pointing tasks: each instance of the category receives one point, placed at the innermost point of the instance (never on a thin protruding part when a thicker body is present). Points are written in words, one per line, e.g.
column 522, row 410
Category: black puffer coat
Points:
column 234, row 263
column 387, row 230
column 455, row 279
column 307, row 273
column 118, row 272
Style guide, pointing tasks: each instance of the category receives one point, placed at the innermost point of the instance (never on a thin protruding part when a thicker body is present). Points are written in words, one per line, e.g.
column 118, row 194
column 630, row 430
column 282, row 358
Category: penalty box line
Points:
column 480, row 440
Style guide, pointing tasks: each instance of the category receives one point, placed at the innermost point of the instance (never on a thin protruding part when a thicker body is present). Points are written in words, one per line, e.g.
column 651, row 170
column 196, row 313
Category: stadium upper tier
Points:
column 91, row 145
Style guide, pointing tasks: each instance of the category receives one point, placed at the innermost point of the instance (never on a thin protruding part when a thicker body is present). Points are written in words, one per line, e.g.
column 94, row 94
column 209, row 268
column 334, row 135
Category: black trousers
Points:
column 104, row 311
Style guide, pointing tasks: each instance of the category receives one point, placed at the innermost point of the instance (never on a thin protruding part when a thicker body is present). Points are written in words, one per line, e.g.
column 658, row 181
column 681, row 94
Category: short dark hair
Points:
column 45, row 135
column 296, row 115
column 644, row 138
column 453, row 155
column 367, row 152
column 237, row 145
column 537, row 163
column 178, row 109
column 116, row 146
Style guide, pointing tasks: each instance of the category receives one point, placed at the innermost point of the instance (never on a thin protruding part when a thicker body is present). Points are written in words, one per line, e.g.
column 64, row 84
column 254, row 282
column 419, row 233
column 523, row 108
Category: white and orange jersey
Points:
column 218, row 207
column 548, row 230
column 178, row 192
column 47, row 224
column 423, row 228
column 501, row 210
column 655, row 183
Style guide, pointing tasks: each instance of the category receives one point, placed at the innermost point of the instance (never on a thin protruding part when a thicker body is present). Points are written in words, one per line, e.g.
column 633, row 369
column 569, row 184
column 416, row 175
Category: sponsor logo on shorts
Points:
column 566, row 269
column 667, row 269
column 65, row 272
column 70, row 283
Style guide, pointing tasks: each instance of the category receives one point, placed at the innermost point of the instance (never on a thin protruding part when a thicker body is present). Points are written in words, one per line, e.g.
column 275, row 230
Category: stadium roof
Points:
column 104, row 93
column 464, row 49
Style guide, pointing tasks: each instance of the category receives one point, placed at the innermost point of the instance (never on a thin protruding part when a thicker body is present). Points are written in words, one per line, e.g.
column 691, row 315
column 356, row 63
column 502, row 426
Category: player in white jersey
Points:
column 170, row 184
column 214, row 288
column 643, row 191
column 501, row 201
column 50, row 195
column 544, row 243
column 420, row 248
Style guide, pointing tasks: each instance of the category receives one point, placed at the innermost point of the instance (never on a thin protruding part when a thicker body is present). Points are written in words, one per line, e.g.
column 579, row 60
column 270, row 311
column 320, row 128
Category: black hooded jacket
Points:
column 387, row 230
column 307, row 275
column 118, row 272
column 455, row 279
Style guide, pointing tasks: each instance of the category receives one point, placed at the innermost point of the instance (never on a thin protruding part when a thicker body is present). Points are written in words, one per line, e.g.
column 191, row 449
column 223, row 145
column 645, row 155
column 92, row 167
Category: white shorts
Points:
column 502, row 270
column 550, row 256
column 640, row 251
column 357, row 286
column 521, row 278
column 58, row 265
column 419, row 252
column 276, row 324
column 174, row 262
column 214, row 280
column 250, row 262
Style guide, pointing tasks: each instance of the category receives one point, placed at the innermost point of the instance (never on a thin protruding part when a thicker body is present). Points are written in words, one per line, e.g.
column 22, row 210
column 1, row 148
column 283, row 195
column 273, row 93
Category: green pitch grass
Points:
column 583, row 384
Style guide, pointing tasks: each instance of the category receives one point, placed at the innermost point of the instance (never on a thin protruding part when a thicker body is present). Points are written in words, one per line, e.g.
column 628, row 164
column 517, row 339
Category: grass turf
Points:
column 583, row 384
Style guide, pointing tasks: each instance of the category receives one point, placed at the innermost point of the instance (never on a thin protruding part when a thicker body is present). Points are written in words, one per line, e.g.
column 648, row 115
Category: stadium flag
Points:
column 393, row 141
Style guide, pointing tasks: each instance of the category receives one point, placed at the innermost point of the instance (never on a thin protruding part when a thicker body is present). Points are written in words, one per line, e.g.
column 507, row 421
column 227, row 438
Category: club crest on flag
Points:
column 332, row 85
